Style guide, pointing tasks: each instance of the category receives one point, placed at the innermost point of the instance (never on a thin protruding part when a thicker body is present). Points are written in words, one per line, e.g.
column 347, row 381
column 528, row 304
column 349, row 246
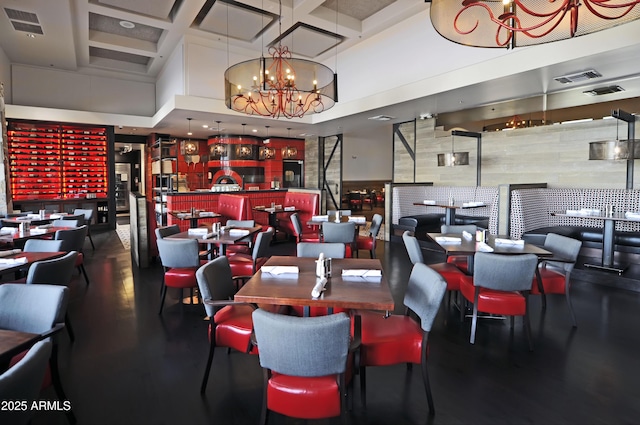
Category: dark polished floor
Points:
column 131, row 366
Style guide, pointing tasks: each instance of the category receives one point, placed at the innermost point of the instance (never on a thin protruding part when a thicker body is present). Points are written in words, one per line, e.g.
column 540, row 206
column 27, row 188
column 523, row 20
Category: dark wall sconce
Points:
column 289, row 152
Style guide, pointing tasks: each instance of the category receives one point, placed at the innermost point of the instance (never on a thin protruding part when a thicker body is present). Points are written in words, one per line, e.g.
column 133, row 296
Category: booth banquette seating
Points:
column 234, row 207
column 531, row 216
column 421, row 219
column 307, row 205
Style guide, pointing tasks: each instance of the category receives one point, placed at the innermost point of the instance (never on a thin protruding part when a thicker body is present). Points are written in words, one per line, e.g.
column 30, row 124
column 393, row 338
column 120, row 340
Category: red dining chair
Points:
column 553, row 275
column 305, row 362
column 460, row 261
column 500, row 285
column 244, row 266
column 452, row 275
column 341, row 233
column 180, row 260
column 243, row 246
column 230, row 323
column 400, row 338
column 300, row 233
column 369, row 242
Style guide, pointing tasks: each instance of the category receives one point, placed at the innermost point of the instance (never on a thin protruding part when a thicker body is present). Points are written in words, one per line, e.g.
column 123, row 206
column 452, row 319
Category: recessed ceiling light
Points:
column 127, row 24
column 205, row 126
column 255, row 130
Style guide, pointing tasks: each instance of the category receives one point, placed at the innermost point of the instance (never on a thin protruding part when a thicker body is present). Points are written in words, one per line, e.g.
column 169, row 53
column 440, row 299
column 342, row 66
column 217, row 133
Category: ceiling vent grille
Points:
column 578, row 77
column 603, row 90
column 30, row 28
column 20, row 15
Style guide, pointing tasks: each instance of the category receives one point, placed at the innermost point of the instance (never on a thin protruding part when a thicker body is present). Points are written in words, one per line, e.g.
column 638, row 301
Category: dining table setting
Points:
column 213, row 234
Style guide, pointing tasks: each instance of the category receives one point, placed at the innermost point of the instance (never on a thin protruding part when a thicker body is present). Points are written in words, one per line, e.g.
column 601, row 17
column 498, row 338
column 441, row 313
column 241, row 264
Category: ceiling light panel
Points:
column 578, row 76
column 161, row 9
column 109, row 25
column 118, row 56
column 358, row 9
column 309, row 41
column 213, row 18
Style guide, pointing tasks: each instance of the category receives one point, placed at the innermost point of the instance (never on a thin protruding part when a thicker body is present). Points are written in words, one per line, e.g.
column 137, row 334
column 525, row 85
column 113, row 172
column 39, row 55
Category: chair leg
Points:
column 162, row 297
column 474, row 320
column 569, row 304
column 527, row 330
column 205, row 378
column 57, row 384
column 84, row 272
column 363, row 386
column 67, row 324
column 93, row 247
column 425, row 374
column 265, row 411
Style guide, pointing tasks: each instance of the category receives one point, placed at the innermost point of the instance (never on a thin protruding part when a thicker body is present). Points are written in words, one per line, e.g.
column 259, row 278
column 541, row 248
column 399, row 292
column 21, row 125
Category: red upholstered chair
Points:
column 500, row 285
column 245, row 266
column 305, row 362
column 399, row 338
column 245, row 244
column 180, row 260
column 233, row 207
column 230, row 323
column 299, row 230
column 554, row 274
column 355, row 200
column 451, row 274
column 461, row 261
column 307, row 205
column 369, row 242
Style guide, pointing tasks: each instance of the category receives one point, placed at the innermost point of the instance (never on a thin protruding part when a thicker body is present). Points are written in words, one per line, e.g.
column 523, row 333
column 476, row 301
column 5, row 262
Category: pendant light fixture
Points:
column 616, row 150
column 453, row 158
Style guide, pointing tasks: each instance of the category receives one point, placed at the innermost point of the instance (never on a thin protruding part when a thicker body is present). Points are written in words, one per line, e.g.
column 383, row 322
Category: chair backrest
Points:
column 313, row 249
column 424, row 294
column 376, row 222
column 295, row 222
column 504, row 272
column 338, row 232
column 459, row 228
column 178, row 253
column 413, row 248
column 564, row 247
column 261, row 244
column 163, row 232
column 233, row 207
column 88, row 214
column 23, row 381
column 72, row 239
column 31, row 308
column 215, row 282
column 302, row 346
column 64, row 223
column 57, row 271
column 78, row 217
column 42, row 245
column 241, row 223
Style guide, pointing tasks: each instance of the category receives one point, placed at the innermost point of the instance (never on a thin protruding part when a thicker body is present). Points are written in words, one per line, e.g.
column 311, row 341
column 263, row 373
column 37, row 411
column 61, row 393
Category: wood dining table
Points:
column 23, row 260
column 348, row 292
column 12, row 343
column 223, row 238
column 17, row 238
column 450, row 208
column 194, row 217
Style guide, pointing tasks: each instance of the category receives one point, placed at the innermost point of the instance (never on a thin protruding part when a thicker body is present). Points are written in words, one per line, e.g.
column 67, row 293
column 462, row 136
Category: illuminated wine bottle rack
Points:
column 50, row 161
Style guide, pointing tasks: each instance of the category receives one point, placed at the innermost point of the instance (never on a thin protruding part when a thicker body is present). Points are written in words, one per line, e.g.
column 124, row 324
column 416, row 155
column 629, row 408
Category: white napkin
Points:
column 500, row 241
column 8, row 230
column 10, row 252
column 199, row 231
column 206, row 214
column 467, row 236
column 34, row 216
column 633, row 215
column 429, row 202
column 37, row 231
column 270, row 210
column 448, row 239
column 317, row 290
column 280, row 269
column 472, row 204
column 55, row 216
column 20, row 260
column 320, row 218
column 358, row 218
column 238, row 232
column 483, row 247
column 289, row 208
column 362, row 272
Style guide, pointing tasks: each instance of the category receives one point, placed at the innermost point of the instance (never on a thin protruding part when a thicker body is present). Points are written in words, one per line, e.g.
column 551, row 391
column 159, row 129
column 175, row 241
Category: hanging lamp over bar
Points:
column 615, row 150
column 453, row 158
column 518, row 23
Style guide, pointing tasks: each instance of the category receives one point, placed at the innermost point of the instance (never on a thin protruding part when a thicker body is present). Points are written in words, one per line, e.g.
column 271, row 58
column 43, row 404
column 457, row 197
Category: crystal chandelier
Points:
column 517, row 23
column 280, row 85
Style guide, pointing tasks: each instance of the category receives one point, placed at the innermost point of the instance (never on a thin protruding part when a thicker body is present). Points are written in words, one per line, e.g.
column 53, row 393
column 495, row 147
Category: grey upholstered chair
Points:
column 65, row 223
column 73, row 240
column 163, row 232
column 243, row 245
column 301, row 235
column 241, row 223
column 423, row 296
column 79, row 217
column 500, row 285
column 244, row 266
column 36, row 309
column 369, row 242
column 88, row 216
column 42, row 245
column 313, row 250
column 340, row 232
column 460, row 261
column 180, row 259
column 229, row 321
column 57, row 271
column 554, row 277
column 23, row 381
column 303, row 352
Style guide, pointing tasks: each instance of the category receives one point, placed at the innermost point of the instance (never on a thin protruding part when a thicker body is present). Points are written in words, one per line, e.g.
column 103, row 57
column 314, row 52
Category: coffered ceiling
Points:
column 133, row 39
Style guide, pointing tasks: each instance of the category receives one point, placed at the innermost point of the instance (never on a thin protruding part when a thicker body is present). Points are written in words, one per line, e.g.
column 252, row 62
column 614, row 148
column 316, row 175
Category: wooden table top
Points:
column 39, row 233
column 186, row 215
column 341, row 292
column 12, row 343
column 31, row 257
column 221, row 238
column 470, row 247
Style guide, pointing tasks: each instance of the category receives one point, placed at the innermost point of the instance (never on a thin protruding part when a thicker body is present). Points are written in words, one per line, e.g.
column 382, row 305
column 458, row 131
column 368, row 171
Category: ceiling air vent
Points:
column 20, row 15
column 30, row 28
column 381, row 118
column 603, row 90
column 578, row 77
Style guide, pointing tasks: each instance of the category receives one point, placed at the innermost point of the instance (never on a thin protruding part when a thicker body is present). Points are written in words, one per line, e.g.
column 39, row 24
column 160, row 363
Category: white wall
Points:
column 368, row 155
column 52, row 88
column 171, row 80
column 5, row 75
